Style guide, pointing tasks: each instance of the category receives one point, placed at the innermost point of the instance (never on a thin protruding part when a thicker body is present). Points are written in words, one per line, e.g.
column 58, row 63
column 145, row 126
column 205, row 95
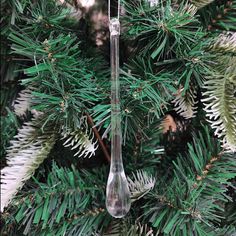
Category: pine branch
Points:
column 190, row 66
column 8, row 128
column 26, row 153
column 81, row 140
column 143, row 84
column 65, row 85
column 89, row 223
column 230, row 213
column 185, row 104
column 43, row 17
column 142, row 230
column 191, row 201
column 14, row 9
column 126, row 228
column 9, row 71
column 144, row 97
column 160, row 30
column 118, row 228
column 227, row 231
column 71, row 202
column 201, row 3
column 220, row 104
column 141, row 184
column 23, row 103
column 219, row 15
column 224, row 43
column 226, row 18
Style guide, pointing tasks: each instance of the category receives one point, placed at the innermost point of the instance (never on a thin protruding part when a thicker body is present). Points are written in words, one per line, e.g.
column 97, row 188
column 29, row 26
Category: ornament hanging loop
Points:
column 109, row 10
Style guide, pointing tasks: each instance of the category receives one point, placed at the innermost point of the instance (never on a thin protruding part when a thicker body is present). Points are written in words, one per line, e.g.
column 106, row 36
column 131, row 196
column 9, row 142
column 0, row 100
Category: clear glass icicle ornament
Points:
column 117, row 191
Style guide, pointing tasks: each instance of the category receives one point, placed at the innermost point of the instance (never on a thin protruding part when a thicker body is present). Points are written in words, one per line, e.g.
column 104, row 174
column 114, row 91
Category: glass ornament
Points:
column 117, row 192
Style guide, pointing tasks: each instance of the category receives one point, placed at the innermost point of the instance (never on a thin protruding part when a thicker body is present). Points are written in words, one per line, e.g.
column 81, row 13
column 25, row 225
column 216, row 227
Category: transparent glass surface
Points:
column 117, row 191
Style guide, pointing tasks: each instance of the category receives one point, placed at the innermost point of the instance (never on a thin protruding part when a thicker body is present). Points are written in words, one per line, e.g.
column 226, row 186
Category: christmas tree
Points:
column 178, row 116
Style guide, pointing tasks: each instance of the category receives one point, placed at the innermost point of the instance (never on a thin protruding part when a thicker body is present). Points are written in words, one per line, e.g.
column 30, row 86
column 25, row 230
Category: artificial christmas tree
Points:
column 178, row 117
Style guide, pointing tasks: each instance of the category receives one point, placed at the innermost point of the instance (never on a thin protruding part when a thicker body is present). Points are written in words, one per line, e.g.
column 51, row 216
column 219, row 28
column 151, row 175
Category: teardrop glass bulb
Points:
column 117, row 191
column 117, row 194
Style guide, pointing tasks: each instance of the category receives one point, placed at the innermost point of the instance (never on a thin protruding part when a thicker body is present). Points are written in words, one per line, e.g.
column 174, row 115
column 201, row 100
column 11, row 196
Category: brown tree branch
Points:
column 101, row 143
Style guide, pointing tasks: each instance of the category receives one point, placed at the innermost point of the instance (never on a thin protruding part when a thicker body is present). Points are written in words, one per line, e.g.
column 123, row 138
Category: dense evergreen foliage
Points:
column 178, row 100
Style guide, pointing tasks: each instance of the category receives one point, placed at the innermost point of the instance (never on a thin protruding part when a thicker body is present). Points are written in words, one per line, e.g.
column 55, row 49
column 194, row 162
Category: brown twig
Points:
column 90, row 120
